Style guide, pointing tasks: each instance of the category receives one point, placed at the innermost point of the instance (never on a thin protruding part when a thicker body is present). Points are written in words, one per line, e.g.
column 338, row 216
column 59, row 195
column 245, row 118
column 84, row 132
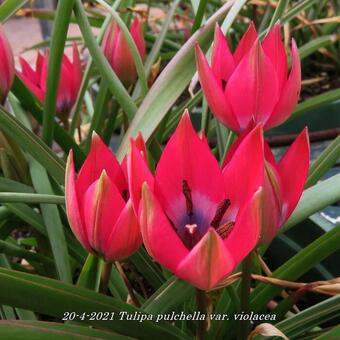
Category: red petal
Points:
column 102, row 206
column 274, row 49
column 72, row 205
column 248, row 158
column 187, row 157
column 245, row 234
column 137, row 35
column 138, row 173
column 259, row 86
column 290, row 93
column 247, row 41
column 100, row 158
column 125, row 237
column 222, row 61
column 160, row 239
column 207, row 263
column 213, row 92
column 293, row 169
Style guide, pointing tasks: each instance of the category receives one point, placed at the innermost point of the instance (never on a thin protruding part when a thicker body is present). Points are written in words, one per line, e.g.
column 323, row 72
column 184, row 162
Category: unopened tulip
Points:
column 251, row 85
column 117, row 51
column 283, row 183
column 6, row 66
column 199, row 221
column 98, row 206
column 69, row 84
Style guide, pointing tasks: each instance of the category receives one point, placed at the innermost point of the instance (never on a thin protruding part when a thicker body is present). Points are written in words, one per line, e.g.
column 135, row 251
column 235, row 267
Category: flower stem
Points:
column 202, row 306
column 128, row 285
column 105, row 277
column 245, row 294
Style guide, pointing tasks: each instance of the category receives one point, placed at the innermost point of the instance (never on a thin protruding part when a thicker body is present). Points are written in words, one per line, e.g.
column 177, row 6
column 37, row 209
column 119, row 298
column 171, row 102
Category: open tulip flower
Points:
column 199, row 221
column 98, row 206
column 69, row 84
column 283, row 182
column 117, row 51
column 6, row 66
column 251, row 85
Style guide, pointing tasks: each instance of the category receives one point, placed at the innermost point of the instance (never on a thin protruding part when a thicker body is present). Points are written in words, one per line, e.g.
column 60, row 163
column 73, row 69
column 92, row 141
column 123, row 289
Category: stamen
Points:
column 125, row 194
column 191, row 228
column 187, row 194
column 225, row 229
column 221, row 209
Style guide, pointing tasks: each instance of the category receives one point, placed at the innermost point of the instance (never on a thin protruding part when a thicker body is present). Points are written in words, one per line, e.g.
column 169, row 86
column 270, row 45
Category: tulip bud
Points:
column 98, row 206
column 69, row 84
column 117, row 51
column 6, row 66
column 257, row 70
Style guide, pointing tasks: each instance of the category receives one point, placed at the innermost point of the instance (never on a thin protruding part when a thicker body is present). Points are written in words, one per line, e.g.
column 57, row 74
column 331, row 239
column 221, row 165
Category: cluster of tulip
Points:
column 196, row 218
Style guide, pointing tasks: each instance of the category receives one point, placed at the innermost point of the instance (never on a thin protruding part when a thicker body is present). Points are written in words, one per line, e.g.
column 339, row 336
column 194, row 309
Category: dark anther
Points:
column 187, row 194
column 221, row 209
column 225, row 229
column 125, row 195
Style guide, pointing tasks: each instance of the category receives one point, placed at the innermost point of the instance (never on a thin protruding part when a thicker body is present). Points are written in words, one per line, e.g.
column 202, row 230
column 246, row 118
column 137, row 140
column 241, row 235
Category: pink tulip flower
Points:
column 117, row 51
column 6, row 66
column 198, row 220
column 98, row 205
column 283, row 183
column 251, row 85
column 69, row 84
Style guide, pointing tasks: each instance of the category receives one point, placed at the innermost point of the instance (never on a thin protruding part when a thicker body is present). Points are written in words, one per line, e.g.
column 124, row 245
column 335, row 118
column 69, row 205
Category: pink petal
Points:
column 293, row 170
column 28, row 72
column 253, row 98
column 272, row 203
column 138, row 173
column 247, row 41
column 248, row 158
column 37, row 91
column 245, row 234
column 274, row 49
column 110, row 41
column 207, row 263
column 268, row 154
column 102, row 206
column 72, row 205
column 290, row 93
column 160, row 239
column 76, row 72
column 6, row 64
column 222, row 61
column 186, row 157
column 125, row 238
column 213, row 92
column 100, row 158
column 137, row 35
column 123, row 62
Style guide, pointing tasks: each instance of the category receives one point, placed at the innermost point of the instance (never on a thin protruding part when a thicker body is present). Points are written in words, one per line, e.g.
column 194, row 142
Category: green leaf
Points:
column 56, row 51
column 33, row 145
column 53, row 223
column 90, row 274
column 314, row 199
column 40, row 330
column 171, row 294
column 324, row 162
column 280, row 9
column 311, row 317
column 297, row 266
column 17, row 197
column 296, row 9
column 334, row 333
column 315, row 44
column 9, row 7
column 114, row 84
column 170, row 84
column 54, row 298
